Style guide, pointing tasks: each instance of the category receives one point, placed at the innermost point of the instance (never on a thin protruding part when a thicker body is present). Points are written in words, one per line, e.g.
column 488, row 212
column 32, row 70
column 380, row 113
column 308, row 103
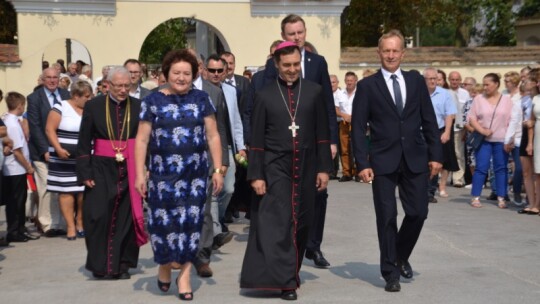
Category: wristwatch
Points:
column 218, row 170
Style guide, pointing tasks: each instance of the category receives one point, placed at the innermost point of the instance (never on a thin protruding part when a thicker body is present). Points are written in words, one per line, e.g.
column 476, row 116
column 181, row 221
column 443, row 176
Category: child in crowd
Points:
column 16, row 166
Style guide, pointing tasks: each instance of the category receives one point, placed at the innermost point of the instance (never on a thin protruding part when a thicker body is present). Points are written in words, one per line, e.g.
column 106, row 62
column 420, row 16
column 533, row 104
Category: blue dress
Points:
column 178, row 169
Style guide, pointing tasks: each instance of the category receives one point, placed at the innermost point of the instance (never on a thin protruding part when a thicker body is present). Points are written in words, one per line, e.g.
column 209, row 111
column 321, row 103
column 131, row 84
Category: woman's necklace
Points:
column 293, row 127
column 110, row 131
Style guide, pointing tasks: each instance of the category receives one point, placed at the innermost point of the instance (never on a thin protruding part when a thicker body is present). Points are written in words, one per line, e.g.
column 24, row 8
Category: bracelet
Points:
column 218, row 170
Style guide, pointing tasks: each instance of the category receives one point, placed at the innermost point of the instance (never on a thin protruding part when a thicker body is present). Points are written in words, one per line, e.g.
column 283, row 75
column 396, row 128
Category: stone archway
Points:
column 182, row 32
column 67, row 49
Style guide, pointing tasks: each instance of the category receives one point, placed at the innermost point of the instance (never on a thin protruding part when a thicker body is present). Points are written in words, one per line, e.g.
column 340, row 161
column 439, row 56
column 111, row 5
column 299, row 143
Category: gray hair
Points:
column 86, row 68
column 79, row 88
column 117, row 70
column 429, row 69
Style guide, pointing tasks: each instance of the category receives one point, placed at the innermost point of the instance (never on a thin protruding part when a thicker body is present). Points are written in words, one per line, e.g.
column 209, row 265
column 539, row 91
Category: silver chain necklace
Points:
column 293, row 127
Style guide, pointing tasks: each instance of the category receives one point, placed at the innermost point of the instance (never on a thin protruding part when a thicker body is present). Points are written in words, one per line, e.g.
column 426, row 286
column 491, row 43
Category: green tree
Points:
column 498, row 29
column 441, row 22
column 167, row 36
column 530, row 9
column 8, row 22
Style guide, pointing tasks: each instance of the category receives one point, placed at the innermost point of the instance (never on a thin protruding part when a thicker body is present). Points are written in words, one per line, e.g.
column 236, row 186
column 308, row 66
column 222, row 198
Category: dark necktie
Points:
column 397, row 94
column 55, row 100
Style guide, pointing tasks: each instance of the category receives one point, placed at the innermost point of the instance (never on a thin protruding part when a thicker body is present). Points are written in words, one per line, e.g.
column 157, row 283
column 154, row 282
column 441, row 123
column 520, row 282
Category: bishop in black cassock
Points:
column 290, row 157
column 113, row 220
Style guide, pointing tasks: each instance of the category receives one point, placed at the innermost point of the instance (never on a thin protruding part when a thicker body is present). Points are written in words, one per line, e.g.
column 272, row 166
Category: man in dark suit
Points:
column 40, row 103
column 202, row 261
column 314, row 68
column 405, row 152
column 135, row 70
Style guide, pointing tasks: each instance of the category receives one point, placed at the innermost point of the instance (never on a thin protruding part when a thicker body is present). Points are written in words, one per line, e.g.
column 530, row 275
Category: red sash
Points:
column 103, row 147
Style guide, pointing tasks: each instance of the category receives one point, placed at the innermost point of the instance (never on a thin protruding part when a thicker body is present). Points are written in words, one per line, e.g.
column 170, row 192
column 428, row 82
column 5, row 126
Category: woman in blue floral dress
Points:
column 177, row 126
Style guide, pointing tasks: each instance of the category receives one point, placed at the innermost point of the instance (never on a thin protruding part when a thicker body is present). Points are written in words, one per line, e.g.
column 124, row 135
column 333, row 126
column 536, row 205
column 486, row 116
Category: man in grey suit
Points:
column 202, row 262
column 40, row 103
column 135, row 71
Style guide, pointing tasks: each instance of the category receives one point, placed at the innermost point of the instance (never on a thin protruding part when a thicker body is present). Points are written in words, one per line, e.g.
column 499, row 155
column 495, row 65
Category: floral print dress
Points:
column 178, row 169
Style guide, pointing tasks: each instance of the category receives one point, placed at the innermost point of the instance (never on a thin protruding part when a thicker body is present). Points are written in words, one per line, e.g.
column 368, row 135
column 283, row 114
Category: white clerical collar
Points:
column 114, row 99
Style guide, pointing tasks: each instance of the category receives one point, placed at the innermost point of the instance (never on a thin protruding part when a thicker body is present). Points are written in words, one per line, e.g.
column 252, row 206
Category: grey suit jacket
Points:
column 144, row 92
column 38, row 111
column 218, row 99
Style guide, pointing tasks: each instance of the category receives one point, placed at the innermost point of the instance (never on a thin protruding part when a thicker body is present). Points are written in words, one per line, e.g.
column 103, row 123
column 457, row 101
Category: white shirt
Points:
column 235, row 120
column 198, row 83
column 15, row 132
column 137, row 93
column 339, row 97
column 390, row 84
column 345, row 106
column 461, row 96
column 231, row 81
column 515, row 127
column 50, row 96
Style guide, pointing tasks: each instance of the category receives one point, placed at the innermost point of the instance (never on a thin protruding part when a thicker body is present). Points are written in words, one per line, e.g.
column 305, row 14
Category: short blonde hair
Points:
column 393, row 33
column 514, row 77
column 478, row 88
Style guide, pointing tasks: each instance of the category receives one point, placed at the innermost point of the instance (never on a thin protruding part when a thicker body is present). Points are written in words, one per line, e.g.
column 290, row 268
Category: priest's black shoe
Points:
column 405, row 269
column 123, row 276
column 318, row 258
column 345, row 179
column 16, row 238
column 392, row 286
column 289, row 295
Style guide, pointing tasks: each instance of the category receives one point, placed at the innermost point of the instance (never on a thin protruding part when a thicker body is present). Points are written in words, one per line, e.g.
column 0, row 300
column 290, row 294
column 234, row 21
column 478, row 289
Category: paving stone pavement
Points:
column 464, row 255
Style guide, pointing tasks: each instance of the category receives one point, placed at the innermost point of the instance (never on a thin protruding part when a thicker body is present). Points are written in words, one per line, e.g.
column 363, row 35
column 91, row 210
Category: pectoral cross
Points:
column 293, row 127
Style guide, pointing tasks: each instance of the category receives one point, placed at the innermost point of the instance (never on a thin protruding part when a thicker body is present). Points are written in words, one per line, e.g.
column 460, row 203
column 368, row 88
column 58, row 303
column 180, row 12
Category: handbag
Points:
column 475, row 139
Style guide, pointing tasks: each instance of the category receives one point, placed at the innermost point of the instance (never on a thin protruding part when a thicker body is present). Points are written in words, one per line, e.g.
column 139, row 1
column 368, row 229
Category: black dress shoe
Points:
column 318, row 258
column 50, row 233
column 16, row 238
column 3, row 242
column 405, row 269
column 123, row 276
column 54, row 233
column 357, row 179
column 289, row 295
column 228, row 218
column 60, row 232
column 222, row 239
column 345, row 179
column 98, row 275
column 392, row 286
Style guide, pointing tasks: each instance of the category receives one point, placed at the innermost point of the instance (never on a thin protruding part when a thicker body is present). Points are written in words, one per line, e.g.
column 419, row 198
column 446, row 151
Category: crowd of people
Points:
column 98, row 153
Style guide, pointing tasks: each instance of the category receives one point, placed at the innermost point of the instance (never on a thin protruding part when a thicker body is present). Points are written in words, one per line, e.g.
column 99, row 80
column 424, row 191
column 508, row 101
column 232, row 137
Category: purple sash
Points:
column 103, row 147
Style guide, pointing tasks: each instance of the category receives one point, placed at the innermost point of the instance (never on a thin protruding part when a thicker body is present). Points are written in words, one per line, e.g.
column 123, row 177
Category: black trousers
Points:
column 317, row 227
column 397, row 244
column 14, row 196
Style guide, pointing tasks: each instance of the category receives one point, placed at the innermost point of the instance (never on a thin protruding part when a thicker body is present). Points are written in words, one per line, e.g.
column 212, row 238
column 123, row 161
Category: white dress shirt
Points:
column 390, row 84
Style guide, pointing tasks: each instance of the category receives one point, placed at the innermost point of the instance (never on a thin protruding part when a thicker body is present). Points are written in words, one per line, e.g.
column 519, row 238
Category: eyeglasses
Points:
column 431, row 78
column 213, row 71
column 466, row 84
column 121, row 86
column 134, row 72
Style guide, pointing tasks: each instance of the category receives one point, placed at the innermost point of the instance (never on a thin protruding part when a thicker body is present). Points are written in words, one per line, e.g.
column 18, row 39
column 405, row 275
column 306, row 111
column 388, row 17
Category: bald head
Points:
column 455, row 80
column 334, row 81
